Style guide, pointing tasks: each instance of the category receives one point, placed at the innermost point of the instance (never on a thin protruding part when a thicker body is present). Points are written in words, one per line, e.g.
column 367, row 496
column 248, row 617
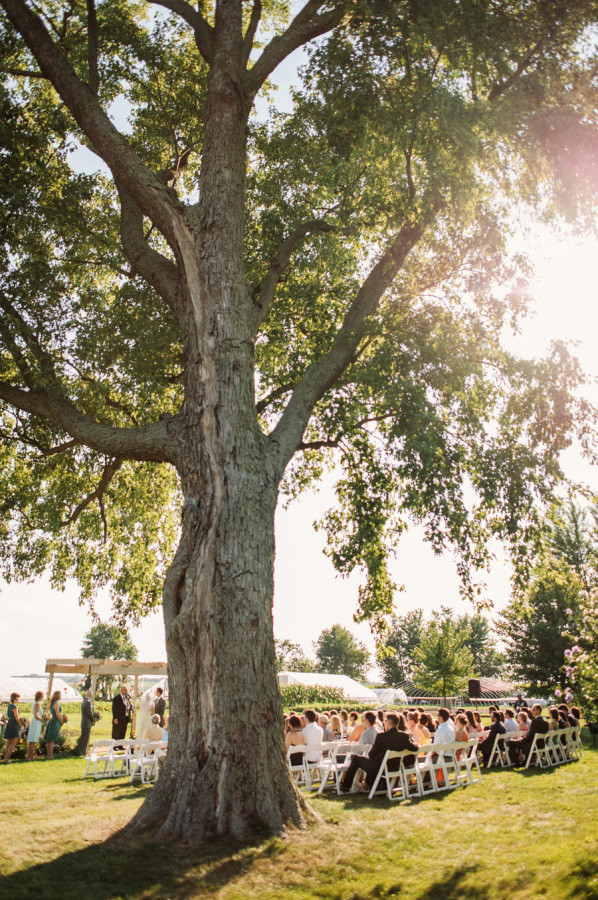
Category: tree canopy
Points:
column 413, row 130
column 105, row 641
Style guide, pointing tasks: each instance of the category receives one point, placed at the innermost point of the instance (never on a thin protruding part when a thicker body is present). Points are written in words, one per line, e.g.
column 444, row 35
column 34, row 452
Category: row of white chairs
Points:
column 551, row 749
column 437, row 767
column 135, row 758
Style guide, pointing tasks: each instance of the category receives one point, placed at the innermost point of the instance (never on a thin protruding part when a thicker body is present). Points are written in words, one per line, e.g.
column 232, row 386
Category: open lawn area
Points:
column 517, row 834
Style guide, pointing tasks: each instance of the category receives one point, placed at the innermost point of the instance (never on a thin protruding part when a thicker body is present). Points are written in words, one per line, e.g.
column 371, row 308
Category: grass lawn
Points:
column 517, row 834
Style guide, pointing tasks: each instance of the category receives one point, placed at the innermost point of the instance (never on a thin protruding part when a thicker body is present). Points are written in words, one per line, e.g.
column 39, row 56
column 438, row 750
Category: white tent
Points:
column 390, row 696
column 28, row 687
column 352, row 689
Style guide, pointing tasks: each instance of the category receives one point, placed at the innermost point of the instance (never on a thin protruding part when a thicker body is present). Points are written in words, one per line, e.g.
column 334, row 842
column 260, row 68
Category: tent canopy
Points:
column 387, row 696
column 28, row 687
column 352, row 689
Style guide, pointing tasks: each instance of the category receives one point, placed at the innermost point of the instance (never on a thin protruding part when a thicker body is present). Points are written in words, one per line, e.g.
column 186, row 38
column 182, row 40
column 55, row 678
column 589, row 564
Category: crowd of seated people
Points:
column 415, row 728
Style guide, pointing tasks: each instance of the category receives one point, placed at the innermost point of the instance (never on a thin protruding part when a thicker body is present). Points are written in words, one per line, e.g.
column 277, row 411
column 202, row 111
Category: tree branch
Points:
column 151, row 195
column 202, row 30
column 25, row 73
column 44, row 359
column 159, row 272
column 108, row 473
column 254, row 21
column 306, row 26
column 502, row 86
column 320, row 376
column 93, row 76
column 280, row 263
column 152, row 443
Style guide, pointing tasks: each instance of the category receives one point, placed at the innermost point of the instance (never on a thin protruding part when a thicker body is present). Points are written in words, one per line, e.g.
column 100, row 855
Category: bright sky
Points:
column 38, row 623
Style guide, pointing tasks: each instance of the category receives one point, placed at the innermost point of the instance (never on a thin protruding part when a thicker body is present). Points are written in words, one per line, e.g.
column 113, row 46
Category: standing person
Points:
column 146, row 711
column 35, row 728
column 160, row 705
column 121, row 713
column 13, row 726
column 87, row 721
column 53, row 726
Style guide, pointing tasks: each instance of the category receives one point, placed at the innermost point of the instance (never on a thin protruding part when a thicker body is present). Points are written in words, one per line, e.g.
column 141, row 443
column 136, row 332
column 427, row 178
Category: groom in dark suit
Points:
column 121, row 713
column 394, row 738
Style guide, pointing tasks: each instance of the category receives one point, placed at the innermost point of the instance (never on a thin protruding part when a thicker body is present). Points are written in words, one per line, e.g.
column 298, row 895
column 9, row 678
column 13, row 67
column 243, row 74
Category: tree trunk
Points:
column 226, row 771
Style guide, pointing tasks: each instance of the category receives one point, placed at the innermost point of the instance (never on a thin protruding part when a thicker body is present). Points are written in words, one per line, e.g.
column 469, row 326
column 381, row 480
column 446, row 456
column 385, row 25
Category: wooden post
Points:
column 134, row 717
column 94, row 683
column 50, row 681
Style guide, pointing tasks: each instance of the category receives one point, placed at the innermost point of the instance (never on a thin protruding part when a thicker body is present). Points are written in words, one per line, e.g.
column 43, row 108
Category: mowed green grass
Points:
column 516, row 834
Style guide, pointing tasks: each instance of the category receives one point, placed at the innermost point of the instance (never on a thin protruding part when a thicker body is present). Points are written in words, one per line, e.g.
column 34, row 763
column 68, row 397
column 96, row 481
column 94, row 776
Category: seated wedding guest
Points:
column 395, row 737
column 471, row 725
column 327, row 734
column 445, row 733
column 576, row 714
column 344, row 717
column 416, row 729
column 461, row 733
column 478, row 721
column 523, row 720
column 358, row 729
column 426, row 722
column 154, row 732
column 166, row 729
column 380, row 714
column 313, row 733
column 336, row 728
column 555, row 721
column 35, row 728
column 295, row 738
column 567, row 715
column 13, row 726
column 519, row 752
column 371, row 728
column 510, row 723
column 485, row 747
column 519, row 702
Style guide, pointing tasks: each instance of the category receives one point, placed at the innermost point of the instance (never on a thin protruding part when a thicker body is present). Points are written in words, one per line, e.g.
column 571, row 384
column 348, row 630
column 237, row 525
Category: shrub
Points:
column 300, row 695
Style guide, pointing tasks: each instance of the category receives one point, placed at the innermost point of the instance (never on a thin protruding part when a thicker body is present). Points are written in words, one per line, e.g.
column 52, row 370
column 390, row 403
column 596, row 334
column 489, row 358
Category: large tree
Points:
column 396, row 655
column 537, row 626
column 443, row 661
column 339, row 652
column 236, row 301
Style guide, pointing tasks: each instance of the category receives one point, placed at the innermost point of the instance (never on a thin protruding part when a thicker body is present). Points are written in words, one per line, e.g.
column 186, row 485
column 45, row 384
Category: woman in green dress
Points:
column 13, row 727
column 53, row 726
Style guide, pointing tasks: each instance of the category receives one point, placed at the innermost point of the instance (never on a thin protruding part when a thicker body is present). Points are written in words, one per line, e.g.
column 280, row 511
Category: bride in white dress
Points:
column 145, row 713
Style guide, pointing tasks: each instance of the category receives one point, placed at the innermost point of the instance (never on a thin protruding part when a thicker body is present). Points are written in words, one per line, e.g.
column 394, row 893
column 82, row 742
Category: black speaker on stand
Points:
column 474, row 690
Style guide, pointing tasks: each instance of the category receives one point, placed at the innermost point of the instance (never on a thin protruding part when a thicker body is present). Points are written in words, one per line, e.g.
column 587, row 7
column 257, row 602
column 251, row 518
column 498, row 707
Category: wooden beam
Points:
column 50, row 680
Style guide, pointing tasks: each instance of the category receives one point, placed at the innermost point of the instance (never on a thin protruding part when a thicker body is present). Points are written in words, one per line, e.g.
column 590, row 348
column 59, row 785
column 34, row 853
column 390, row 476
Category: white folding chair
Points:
column 392, row 780
column 298, row 770
column 120, row 757
column 537, row 755
column 472, row 762
column 337, row 763
column 499, row 755
column 434, row 766
column 144, row 763
column 100, row 755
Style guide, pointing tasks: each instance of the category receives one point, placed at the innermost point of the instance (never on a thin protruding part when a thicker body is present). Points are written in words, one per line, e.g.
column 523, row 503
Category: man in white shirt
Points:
column 312, row 733
column 445, row 733
column 510, row 722
column 154, row 732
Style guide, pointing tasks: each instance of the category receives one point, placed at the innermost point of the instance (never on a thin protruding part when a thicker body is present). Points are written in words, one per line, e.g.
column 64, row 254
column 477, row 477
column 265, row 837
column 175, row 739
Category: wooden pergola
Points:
column 124, row 668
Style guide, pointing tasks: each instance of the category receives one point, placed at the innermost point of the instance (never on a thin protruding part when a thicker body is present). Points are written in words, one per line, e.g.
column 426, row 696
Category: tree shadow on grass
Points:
column 121, row 869
column 583, row 880
column 452, row 886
